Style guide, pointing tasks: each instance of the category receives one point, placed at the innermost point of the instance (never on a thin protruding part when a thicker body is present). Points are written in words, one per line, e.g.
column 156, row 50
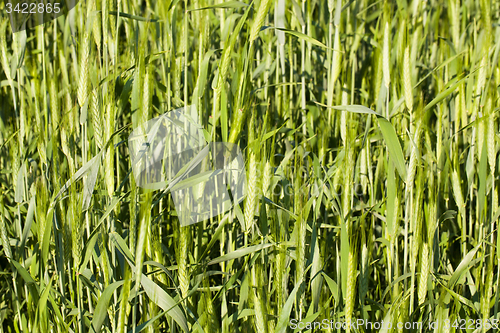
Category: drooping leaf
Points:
column 239, row 253
column 226, row 4
column 464, row 264
column 164, row 301
column 352, row 108
column 302, row 36
column 393, row 145
column 388, row 132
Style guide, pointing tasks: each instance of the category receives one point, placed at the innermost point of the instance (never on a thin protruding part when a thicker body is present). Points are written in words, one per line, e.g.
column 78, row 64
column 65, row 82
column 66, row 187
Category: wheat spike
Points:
column 3, row 232
column 424, row 274
column 483, row 70
column 337, row 56
column 251, row 193
column 351, row 286
column 96, row 120
column 259, row 306
column 65, row 148
column 487, row 295
column 184, row 236
column 479, row 135
column 110, row 151
column 54, row 103
column 146, row 95
column 96, row 26
column 252, row 182
column 457, row 191
column 263, row 10
column 412, row 166
column 124, row 303
column 364, row 266
column 266, row 180
column 3, row 49
column 76, row 230
column 331, row 6
column 407, row 80
column 385, row 56
column 403, row 314
column 84, row 70
column 490, row 140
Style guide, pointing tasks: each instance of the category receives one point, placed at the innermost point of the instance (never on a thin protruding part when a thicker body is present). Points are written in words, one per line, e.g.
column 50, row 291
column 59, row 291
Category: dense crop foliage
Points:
column 370, row 135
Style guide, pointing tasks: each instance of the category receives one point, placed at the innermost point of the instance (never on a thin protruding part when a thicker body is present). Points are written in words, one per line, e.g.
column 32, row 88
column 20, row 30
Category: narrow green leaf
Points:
column 227, row 4
column 388, row 132
column 464, row 264
column 239, row 253
column 80, row 173
column 154, row 292
column 32, row 286
column 301, row 36
column 133, row 17
column 164, row 301
column 332, row 285
column 284, row 317
column 89, row 184
column 393, row 145
column 351, row 108
column 100, row 311
column 28, row 223
column 42, row 306
column 442, row 95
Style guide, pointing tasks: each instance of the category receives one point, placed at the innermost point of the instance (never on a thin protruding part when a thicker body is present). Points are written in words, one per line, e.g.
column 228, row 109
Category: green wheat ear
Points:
column 83, row 82
column 397, row 98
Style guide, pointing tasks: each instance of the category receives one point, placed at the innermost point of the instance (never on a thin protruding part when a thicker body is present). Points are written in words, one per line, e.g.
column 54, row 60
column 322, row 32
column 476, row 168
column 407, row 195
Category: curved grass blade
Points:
column 164, row 301
column 301, row 36
column 388, row 132
column 442, row 95
column 227, row 4
column 154, row 292
column 392, row 142
column 100, row 311
column 240, row 253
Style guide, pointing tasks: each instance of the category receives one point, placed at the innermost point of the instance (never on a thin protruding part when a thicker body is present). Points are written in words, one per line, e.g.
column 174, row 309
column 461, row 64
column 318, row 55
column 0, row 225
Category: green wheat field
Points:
column 370, row 134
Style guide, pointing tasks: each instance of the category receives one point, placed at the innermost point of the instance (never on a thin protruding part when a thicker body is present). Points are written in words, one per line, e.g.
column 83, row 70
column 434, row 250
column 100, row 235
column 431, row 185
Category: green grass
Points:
column 370, row 134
